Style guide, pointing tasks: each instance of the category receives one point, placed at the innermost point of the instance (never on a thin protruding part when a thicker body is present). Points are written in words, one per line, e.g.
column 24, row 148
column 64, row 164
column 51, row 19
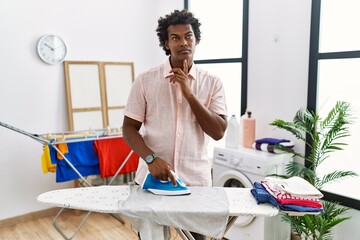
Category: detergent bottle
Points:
column 248, row 129
column 232, row 138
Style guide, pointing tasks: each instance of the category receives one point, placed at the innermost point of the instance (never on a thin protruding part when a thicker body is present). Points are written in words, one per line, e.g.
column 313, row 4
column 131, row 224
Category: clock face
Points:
column 51, row 49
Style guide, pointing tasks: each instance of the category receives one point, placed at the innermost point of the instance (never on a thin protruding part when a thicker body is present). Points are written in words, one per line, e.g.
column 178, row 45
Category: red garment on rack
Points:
column 112, row 152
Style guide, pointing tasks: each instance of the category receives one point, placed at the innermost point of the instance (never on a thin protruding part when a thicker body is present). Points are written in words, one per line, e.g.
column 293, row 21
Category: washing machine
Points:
column 241, row 168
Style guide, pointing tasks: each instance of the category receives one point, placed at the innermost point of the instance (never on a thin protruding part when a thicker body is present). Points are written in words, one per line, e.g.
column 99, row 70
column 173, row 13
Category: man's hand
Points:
column 211, row 123
column 161, row 170
column 181, row 77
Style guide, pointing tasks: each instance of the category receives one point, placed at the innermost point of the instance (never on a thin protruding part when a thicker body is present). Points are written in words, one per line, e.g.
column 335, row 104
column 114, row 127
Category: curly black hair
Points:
column 174, row 18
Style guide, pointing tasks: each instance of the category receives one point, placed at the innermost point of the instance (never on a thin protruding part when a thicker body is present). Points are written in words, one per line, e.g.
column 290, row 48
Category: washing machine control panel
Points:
column 252, row 160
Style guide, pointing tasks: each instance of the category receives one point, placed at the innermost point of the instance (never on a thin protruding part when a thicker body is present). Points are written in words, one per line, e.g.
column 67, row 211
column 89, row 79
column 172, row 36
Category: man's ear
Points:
column 167, row 45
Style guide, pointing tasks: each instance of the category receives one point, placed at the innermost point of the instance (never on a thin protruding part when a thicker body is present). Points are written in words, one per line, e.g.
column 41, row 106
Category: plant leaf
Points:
column 336, row 176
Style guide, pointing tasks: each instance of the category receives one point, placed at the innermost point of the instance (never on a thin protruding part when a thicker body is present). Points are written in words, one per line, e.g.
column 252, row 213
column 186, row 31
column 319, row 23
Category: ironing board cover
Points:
column 105, row 199
column 124, row 199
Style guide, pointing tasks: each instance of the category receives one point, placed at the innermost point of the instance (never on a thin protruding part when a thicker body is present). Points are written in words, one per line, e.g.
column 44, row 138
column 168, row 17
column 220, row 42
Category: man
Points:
column 179, row 105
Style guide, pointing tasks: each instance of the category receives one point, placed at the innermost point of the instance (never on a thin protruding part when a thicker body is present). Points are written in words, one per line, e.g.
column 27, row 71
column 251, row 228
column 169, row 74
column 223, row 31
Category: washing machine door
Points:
column 234, row 178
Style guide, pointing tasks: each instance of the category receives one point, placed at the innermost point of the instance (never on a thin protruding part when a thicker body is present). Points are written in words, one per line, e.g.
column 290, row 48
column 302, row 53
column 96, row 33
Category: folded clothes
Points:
column 296, row 186
column 272, row 148
column 272, row 141
column 263, row 196
column 283, row 197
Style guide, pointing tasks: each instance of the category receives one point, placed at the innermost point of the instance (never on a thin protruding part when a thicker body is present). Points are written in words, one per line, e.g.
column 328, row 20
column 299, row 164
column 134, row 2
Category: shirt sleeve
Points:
column 218, row 100
column 136, row 104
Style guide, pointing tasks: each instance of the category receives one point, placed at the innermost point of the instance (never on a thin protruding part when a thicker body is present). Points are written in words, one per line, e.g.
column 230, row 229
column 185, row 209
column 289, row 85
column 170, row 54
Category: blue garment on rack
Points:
column 53, row 158
column 82, row 156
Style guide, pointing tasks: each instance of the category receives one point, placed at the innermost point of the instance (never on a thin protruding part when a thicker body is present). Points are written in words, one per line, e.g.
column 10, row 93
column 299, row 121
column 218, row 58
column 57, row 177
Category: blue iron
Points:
column 166, row 188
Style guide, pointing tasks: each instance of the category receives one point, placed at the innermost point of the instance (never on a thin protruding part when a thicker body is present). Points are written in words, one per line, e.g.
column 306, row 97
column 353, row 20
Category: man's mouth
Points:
column 185, row 51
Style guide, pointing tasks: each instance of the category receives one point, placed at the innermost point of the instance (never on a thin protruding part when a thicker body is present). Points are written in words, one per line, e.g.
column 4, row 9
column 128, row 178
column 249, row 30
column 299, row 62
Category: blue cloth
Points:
column 263, row 196
column 53, row 157
column 82, row 156
column 272, row 141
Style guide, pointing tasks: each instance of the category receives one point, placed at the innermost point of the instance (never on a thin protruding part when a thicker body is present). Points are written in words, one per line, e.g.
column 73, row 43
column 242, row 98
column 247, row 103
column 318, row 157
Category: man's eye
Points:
column 175, row 38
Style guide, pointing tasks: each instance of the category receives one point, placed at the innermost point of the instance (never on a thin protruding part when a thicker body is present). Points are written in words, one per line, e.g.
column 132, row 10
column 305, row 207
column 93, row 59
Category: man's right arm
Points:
column 133, row 137
column 159, row 168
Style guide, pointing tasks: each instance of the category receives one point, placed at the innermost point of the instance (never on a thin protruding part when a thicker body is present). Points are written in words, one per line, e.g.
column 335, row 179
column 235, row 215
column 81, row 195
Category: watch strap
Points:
column 150, row 158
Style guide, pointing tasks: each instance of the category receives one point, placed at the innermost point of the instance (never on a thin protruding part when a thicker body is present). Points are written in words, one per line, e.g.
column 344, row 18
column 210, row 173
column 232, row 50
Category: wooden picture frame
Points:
column 97, row 93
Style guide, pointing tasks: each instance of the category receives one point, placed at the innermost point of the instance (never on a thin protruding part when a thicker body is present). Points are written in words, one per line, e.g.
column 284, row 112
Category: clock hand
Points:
column 49, row 47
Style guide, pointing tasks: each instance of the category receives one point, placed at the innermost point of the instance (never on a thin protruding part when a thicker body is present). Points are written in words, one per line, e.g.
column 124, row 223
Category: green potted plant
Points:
column 322, row 137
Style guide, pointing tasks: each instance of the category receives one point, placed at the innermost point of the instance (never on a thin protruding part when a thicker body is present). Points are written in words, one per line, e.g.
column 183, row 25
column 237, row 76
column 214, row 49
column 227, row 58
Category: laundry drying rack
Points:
column 54, row 139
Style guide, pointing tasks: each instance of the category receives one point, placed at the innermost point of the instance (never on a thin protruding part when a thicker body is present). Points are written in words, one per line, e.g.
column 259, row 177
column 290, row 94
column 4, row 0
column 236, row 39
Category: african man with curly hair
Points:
column 180, row 106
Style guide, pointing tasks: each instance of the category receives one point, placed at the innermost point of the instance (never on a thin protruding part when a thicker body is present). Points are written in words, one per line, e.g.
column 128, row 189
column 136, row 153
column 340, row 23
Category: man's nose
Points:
column 183, row 42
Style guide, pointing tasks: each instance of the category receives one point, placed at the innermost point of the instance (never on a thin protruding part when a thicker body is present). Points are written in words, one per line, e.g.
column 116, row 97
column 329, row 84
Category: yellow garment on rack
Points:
column 46, row 164
column 63, row 147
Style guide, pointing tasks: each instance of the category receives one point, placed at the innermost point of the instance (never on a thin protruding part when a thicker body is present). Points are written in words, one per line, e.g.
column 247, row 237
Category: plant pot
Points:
column 295, row 237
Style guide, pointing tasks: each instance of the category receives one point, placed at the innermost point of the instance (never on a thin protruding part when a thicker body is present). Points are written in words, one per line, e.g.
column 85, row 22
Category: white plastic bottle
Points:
column 232, row 138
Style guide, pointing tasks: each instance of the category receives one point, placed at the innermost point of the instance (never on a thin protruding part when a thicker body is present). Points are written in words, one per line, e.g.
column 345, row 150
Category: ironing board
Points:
column 105, row 199
column 54, row 139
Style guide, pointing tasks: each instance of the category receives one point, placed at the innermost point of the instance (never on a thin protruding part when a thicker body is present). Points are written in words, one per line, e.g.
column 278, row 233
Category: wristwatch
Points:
column 149, row 159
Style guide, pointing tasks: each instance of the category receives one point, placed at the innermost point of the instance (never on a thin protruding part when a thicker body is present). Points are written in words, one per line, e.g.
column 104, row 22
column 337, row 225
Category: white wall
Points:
column 32, row 93
column 279, row 35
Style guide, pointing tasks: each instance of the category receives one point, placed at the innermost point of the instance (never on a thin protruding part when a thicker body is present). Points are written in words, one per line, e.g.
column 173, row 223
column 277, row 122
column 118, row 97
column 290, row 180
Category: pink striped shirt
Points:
column 285, row 198
column 171, row 129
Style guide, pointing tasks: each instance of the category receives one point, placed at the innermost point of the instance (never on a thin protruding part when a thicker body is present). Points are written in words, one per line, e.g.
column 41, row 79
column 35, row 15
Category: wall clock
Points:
column 51, row 49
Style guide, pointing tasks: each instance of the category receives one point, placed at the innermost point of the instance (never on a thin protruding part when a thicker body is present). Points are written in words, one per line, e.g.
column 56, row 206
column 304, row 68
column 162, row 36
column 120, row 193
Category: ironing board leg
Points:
column 57, row 227
column 230, row 222
column 62, row 232
column 117, row 217
column 186, row 235
column 84, row 182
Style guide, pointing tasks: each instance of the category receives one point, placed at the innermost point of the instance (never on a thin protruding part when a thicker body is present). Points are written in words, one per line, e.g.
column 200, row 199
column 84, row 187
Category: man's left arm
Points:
column 211, row 123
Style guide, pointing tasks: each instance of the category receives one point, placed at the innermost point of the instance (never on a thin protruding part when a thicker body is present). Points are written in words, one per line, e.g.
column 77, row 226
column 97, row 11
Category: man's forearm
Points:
column 134, row 139
column 211, row 123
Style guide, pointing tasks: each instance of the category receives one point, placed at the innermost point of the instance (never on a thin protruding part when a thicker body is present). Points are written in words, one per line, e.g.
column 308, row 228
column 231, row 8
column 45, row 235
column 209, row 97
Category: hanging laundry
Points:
column 82, row 156
column 46, row 164
column 112, row 152
column 63, row 147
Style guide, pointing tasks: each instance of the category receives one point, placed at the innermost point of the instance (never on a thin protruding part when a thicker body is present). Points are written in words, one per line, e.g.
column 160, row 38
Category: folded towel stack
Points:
column 270, row 144
column 292, row 195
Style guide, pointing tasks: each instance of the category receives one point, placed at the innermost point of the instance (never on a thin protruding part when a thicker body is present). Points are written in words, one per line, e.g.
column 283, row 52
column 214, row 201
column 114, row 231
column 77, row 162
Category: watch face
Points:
column 51, row 49
column 149, row 159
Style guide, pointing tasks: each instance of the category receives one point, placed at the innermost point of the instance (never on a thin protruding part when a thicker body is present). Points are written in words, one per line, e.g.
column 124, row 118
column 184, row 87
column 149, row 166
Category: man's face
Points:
column 181, row 42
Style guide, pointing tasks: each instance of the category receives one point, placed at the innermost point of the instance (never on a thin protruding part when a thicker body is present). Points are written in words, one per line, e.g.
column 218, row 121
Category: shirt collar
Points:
column 167, row 69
